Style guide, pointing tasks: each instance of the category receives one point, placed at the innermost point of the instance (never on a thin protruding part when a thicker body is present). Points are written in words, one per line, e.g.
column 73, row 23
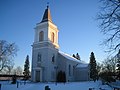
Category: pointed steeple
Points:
column 47, row 16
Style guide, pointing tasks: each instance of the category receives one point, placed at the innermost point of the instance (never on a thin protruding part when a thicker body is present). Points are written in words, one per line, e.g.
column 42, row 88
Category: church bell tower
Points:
column 46, row 31
column 44, row 49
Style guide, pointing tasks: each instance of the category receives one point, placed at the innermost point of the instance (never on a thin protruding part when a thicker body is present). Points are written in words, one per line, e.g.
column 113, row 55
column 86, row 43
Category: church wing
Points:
column 74, row 68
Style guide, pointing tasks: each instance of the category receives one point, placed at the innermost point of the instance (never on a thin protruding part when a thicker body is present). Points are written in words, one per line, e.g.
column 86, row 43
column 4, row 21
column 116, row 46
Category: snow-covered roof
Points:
column 71, row 57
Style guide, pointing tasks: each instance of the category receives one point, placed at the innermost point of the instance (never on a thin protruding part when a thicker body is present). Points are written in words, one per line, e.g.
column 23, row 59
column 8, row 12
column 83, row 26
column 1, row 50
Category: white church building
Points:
column 48, row 60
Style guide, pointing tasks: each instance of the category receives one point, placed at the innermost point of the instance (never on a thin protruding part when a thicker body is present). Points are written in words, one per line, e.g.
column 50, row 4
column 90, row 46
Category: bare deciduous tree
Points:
column 7, row 51
column 10, row 66
column 109, row 65
column 109, row 18
column 19, row 70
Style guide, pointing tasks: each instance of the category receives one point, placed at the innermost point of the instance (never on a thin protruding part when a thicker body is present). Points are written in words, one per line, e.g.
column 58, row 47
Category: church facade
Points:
column 48, row 61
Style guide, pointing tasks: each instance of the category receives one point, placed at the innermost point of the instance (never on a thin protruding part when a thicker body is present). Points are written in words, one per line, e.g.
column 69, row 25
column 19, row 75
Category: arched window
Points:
column 53, row 59
column 41, row 36
column 39, row 57
column 52, row 37
column 69, row 70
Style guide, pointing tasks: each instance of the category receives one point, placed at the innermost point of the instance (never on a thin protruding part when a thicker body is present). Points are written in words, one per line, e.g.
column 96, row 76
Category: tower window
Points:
column 39, row 57
column 52, row 37
column 41, row 36
column 53, row 59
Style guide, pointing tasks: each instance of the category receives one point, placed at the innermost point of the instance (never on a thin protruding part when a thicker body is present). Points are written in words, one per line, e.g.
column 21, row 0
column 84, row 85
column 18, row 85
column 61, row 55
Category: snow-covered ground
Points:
column 61, row 86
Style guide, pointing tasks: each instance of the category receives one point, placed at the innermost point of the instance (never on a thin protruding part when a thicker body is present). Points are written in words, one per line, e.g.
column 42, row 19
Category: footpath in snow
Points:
column 60, row 86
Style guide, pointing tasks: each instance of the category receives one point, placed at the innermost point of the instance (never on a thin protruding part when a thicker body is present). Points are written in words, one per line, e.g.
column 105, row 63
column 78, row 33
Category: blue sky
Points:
column 75, row 19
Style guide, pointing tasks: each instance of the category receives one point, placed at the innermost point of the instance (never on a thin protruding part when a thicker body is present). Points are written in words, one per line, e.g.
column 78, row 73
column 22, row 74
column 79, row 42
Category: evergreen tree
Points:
column 74, row 56
column 77, row 56
column 93, row 67
column 61, row 76
column 26, row 68
column 64, row 77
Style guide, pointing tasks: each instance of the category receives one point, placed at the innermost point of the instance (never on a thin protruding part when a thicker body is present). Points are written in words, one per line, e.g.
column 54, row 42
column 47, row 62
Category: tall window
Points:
column 52, row 37
column 41, row 36
column 53, row 59
column 39, row 57
column 69, row 70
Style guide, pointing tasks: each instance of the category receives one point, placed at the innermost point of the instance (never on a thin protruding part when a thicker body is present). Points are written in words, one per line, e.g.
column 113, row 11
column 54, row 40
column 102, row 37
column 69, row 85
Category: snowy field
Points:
column 61, row 86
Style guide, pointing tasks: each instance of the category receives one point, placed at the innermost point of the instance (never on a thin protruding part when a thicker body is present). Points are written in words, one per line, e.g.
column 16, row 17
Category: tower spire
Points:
column 47, row 15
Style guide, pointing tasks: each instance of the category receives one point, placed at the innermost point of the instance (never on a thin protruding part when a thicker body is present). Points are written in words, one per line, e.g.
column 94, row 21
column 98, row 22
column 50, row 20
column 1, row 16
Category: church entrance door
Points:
column 37, row 76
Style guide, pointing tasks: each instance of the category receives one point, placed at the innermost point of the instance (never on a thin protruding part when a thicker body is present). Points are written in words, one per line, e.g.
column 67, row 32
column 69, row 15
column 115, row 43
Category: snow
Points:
column 60, row 86
column 115, row 84
column 70, row 57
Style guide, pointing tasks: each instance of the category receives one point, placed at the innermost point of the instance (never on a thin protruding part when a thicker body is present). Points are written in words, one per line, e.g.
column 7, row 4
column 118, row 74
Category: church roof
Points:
column 71, row 57
column 47, row 15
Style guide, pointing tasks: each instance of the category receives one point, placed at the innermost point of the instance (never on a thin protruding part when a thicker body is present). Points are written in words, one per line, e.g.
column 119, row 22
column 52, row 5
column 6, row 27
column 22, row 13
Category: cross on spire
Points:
column 47, row 4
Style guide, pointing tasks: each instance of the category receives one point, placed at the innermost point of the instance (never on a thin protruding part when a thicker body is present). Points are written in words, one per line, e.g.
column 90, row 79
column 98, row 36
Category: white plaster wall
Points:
column 41, row 27
column 46, row 62
column 72, row 64
column 53, row 28
column 52, row 52
column 63, row 64
column 81, row 74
